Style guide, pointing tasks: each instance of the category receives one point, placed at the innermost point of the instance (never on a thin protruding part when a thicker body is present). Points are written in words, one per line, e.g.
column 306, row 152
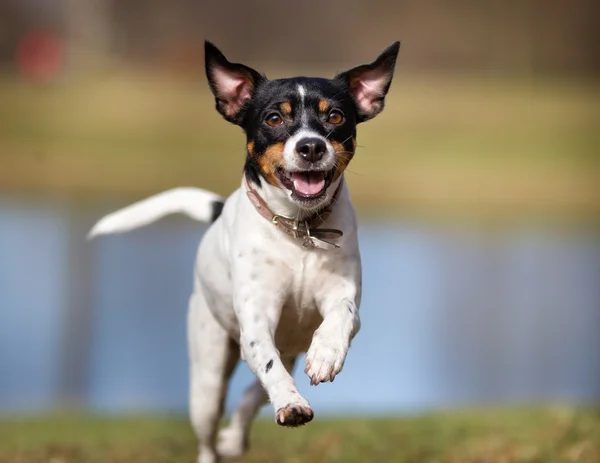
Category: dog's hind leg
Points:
column 233, row 440
column 213, row 357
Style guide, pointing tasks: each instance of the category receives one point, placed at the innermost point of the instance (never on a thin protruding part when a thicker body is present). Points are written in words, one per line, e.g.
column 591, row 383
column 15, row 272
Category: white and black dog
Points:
column 278, row 273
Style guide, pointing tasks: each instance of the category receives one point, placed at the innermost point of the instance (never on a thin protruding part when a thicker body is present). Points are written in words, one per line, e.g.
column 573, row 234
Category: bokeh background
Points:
column 478, row 191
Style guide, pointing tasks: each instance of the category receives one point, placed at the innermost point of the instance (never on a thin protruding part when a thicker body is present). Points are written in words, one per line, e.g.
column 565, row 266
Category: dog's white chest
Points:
column 300, row 316
column 250, row 269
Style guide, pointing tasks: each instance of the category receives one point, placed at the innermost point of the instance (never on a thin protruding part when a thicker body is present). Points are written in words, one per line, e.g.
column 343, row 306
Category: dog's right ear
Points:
column 232, row 84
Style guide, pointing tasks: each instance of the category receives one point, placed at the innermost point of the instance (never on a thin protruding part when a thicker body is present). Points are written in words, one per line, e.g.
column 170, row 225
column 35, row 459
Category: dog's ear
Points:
column 369, row 83
column 232, row 84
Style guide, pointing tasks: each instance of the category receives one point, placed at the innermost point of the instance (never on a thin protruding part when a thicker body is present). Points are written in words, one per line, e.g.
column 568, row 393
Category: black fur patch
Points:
column 217, row 208
column 269, row 366
column 252, row 172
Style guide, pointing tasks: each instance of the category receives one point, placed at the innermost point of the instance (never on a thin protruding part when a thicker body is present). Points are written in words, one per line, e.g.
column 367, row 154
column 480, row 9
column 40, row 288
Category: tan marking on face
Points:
column 269, row 161
column 250, row 147
column 286, row 108
column 323, row 105
column 342, row 158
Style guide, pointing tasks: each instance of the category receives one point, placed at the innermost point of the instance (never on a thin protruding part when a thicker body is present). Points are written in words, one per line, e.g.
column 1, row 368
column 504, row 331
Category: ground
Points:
column 542, row 435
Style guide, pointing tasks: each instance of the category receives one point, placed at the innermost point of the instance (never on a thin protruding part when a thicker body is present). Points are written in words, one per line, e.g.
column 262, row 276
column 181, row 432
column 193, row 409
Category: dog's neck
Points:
column 306, row 224
column 280, row 203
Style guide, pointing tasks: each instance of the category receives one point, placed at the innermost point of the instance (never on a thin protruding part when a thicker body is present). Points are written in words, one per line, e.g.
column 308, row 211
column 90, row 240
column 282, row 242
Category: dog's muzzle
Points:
column 311, row 149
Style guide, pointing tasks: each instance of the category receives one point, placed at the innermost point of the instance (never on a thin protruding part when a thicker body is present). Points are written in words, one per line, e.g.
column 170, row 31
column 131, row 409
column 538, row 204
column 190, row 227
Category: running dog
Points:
column 278, row 273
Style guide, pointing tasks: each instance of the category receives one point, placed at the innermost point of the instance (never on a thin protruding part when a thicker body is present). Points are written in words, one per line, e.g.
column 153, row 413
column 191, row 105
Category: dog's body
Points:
column 275, row 276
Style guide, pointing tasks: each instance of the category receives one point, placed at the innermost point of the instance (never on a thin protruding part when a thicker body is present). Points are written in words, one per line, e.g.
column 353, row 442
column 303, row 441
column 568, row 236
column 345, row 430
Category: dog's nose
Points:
column 311, row 149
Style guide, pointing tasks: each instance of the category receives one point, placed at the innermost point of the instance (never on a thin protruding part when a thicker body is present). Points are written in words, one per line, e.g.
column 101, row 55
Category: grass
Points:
column 445, row 143
column 542, row 435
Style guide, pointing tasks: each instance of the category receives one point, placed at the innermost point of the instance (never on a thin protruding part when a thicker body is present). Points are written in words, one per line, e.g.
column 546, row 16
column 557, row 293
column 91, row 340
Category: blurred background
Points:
column 478, row 191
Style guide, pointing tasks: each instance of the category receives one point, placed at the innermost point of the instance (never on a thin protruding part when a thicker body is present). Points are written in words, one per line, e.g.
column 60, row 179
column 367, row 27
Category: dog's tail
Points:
column 198, row 204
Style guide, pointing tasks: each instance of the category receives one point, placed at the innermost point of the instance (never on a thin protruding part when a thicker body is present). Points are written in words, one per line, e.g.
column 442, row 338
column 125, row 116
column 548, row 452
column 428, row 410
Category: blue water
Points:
column 451, row 314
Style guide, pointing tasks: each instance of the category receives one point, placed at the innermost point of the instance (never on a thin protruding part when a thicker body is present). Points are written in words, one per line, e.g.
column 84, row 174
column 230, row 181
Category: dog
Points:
column 278, row 272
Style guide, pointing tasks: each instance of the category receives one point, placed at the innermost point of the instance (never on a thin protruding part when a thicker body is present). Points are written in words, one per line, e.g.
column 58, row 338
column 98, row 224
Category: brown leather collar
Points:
column 305, row 230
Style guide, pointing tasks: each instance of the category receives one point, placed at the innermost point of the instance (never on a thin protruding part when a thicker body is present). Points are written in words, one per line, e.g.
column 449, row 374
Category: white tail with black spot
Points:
column 198, row 204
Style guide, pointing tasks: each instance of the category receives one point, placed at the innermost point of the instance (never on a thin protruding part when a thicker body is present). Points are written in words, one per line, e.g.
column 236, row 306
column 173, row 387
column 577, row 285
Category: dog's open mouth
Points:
column 306, row 185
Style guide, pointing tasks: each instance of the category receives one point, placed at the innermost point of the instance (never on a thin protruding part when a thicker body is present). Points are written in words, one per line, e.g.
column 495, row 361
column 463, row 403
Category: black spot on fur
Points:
column 350, row 306
column 217, row 208
column 269, row 366
column 252, row 343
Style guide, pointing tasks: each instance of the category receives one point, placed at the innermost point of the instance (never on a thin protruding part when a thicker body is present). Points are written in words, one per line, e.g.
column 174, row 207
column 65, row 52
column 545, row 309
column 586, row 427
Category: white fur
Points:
column 303, row 115
column 260, row 294
column 302, row 93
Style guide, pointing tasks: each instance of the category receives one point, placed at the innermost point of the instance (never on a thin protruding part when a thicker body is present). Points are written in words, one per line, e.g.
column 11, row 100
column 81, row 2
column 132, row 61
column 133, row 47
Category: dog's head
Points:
column 301, row 131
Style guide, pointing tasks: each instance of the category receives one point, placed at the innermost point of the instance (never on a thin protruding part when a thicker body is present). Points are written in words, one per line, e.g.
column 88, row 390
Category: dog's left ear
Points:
column 232, row 84
column 369, row 83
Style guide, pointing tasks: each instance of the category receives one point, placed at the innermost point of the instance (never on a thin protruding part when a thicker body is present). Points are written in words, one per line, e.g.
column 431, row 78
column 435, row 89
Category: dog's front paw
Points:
column 294, row 415
column 324, row 359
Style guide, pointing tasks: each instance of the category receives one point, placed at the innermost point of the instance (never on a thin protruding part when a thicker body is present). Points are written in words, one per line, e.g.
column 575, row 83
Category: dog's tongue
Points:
column 308, row 183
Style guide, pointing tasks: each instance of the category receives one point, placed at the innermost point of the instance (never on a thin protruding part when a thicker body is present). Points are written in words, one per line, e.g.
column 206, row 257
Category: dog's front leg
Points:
column 258, row 317
column 331, row 341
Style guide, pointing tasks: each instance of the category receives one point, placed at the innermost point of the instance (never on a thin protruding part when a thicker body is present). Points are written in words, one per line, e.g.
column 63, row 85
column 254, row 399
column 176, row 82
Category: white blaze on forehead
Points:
column 302, row 93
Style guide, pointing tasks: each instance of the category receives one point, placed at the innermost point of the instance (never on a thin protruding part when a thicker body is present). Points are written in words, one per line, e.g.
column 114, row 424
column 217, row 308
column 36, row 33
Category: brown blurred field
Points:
column 546, row 435
column 451, row 144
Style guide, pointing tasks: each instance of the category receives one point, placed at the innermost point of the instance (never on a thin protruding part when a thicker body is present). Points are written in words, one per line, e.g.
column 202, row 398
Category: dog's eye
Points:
column 274, row 120
column 335, row 117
